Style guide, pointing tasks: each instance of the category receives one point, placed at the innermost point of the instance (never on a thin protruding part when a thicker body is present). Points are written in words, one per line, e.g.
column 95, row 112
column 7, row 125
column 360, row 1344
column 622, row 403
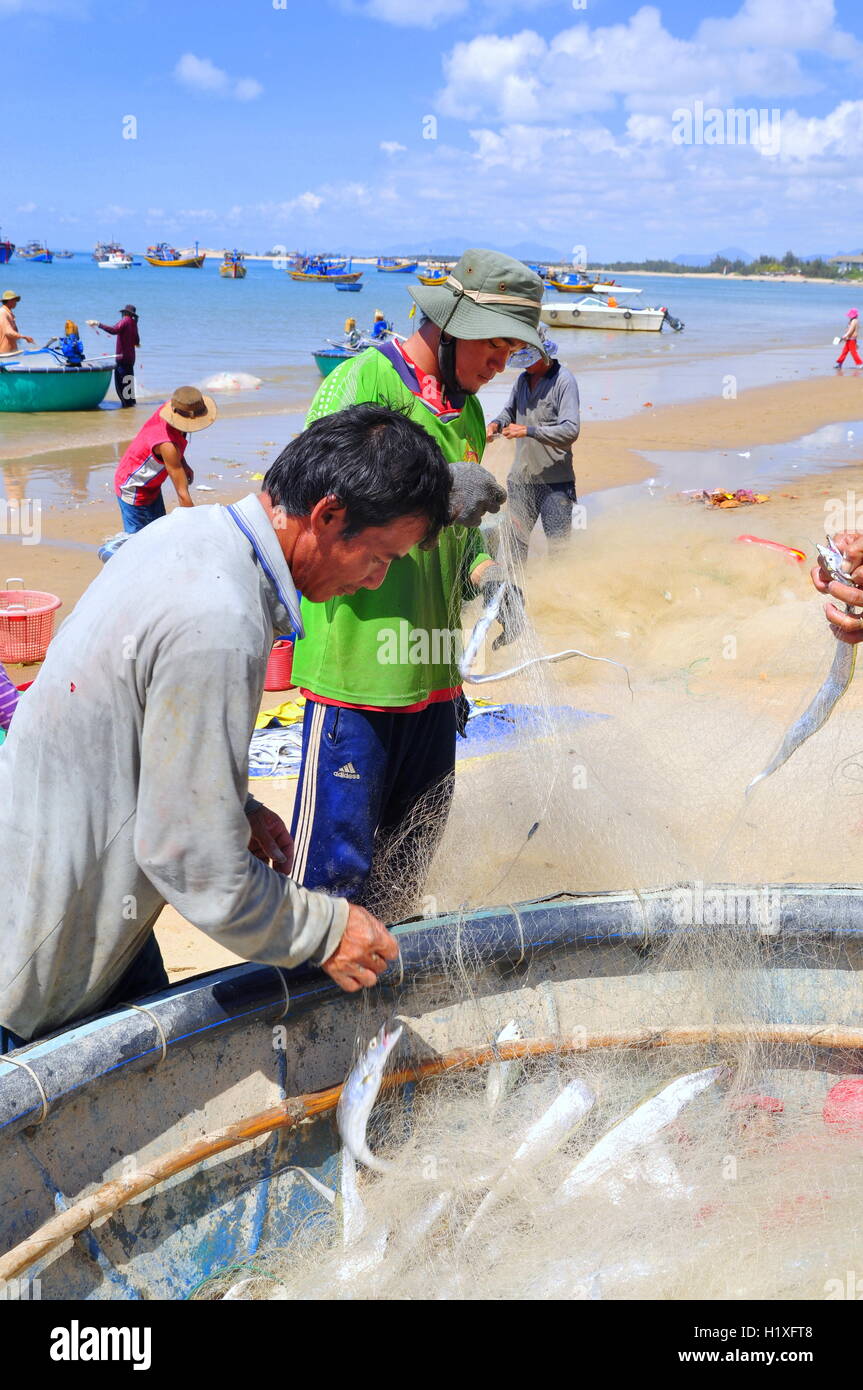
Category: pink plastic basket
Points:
column 26, row 622
column 279, row 666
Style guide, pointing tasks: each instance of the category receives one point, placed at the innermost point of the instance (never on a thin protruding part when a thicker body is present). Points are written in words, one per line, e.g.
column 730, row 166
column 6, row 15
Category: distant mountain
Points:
column 728, row 253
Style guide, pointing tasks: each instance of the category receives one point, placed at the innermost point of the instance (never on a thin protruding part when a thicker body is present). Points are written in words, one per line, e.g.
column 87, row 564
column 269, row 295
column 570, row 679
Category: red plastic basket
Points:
column 26, row 622
column 279, row 666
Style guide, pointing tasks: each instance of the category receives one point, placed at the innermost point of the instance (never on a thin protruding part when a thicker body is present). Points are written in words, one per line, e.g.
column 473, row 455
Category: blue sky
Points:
column 306, row 125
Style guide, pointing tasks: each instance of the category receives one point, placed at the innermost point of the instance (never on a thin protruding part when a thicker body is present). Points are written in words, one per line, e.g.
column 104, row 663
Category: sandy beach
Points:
column 610, row 455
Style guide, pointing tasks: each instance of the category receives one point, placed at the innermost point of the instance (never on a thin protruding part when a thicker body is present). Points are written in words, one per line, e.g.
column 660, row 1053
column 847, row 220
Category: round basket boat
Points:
column 130, row 1095
column 27, row 389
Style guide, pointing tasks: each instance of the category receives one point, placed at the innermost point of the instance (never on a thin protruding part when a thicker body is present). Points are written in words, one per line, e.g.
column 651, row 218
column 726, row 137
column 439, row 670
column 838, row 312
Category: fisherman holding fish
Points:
column 379, row 734
column 124, row 777
column 847, row 626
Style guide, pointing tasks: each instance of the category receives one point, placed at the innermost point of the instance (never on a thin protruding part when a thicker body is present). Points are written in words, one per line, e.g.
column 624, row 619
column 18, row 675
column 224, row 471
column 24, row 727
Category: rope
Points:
column 15, row 1062
column 481, row 297
column 156, row 1024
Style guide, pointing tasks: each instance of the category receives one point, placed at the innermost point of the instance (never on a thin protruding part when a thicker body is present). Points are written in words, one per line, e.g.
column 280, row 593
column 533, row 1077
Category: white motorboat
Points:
column 592, row 312
column 116, row 260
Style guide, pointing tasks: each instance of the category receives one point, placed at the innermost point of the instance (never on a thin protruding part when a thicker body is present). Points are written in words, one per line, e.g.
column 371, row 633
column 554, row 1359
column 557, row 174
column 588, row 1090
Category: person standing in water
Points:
column 542, row 415
column 849, row 340
column 9, row 334
column 126, row 333
column 158, row 452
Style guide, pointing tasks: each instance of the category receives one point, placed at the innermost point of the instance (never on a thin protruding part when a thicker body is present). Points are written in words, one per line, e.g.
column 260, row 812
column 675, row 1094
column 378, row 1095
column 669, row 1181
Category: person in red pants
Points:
column 849, row 340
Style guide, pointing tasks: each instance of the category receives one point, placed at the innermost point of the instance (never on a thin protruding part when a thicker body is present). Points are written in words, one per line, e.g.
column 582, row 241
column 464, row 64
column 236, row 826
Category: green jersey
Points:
column 397, row 645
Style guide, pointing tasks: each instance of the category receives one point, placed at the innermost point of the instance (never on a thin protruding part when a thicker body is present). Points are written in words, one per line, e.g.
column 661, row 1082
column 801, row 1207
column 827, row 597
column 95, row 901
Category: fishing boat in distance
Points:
column 63, row 255
column 232, row 267
column 7, row 250
column 391, row 265
column 578, row 283
column 325, row 270
column 35, row 251
column 592, row 311
column 115, row 260
column 352, row 287
column 103, row 249
column 432, row 274
column 166, row 257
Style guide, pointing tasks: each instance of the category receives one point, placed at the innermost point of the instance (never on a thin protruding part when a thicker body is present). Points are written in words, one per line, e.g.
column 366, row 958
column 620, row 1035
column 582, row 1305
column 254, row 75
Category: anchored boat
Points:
column 391, row 265
column 24, row 389
column 115, row 260
column 594, row 312
column 324, row 270
column 35, row 251
column 182, row 1120
column 232, row 267
column 166, row 257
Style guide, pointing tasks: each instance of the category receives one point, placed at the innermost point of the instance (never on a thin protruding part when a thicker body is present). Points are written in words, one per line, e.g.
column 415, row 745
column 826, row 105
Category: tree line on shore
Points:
column 790, row 264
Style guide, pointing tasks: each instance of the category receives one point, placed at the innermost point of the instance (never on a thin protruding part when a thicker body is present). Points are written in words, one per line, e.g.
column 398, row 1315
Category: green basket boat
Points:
column 28, row 389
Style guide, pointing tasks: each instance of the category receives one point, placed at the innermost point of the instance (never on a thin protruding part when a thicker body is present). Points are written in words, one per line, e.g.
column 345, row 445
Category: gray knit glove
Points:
column 474, row 492
column 511, row 614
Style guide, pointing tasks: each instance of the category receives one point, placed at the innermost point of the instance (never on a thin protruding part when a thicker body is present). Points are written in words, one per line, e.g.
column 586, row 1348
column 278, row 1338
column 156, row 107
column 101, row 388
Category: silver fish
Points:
column 839, row 678
column 565, row 1112
column 501, row 1075
column 636, row 1129
column 359, row 1094
column 478, row 636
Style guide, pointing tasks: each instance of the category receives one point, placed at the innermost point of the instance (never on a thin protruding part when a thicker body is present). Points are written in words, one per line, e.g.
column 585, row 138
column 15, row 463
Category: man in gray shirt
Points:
column 542, row 414
column 124, row 779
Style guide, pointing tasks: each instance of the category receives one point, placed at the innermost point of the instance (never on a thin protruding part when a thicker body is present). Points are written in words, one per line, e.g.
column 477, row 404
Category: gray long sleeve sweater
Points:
column 550, row 410
column 124, row 777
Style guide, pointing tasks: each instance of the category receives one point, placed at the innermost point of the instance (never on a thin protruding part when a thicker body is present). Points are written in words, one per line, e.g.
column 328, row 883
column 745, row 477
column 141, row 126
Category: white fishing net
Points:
column 752, row 1188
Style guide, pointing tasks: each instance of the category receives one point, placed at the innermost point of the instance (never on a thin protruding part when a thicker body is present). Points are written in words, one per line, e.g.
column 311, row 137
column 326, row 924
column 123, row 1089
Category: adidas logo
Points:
column 348, row 771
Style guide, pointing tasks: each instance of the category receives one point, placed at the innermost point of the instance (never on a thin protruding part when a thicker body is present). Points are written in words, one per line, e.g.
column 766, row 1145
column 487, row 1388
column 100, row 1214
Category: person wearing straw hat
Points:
column 10, row 337
column 542, row 416
column 126, row 333
column 158, row 452
column 382, row 714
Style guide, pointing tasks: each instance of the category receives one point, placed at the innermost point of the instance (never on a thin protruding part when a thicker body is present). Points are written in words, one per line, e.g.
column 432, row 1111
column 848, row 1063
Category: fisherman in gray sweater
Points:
column 542, row 414
column 124, row 779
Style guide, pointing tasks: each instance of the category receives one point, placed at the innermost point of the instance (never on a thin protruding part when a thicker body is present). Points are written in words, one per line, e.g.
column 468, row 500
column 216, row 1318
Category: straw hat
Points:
column 485, row 295
column 10, row 297
column 188, row 410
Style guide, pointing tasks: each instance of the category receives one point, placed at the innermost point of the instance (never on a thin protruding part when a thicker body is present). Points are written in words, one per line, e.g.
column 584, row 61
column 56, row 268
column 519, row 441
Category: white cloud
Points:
column 113, row 212
column 838, row 135
column 202, row 75
column 640, row 64
column 26, row 207
column 392, row 147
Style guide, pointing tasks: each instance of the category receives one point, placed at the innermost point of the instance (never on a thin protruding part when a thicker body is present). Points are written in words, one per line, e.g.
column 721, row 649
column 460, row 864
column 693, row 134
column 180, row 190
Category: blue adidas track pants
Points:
column 364, row 774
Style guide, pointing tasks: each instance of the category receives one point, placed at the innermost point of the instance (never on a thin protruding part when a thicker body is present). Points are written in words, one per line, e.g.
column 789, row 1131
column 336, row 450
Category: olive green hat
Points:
column 486, row 295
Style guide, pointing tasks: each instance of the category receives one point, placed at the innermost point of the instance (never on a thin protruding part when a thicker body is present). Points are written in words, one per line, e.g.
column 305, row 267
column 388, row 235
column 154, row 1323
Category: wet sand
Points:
column 610, row 455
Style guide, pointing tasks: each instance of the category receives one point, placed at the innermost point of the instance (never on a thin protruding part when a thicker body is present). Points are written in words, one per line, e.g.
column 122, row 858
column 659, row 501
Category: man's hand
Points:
column 271, row 840
column 92, row 323
column 515, row 431
column 474, row 492
column 363, row 952
column 846, row 626
column 27, row 338
column 492, row 430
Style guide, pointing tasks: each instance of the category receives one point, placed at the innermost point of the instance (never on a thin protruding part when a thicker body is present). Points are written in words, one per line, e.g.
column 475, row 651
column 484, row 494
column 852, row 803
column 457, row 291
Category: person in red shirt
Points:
column 126, row 333
column 158, row 452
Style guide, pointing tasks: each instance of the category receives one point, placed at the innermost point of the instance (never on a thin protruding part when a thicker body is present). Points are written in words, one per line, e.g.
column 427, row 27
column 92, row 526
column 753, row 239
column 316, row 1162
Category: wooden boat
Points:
column 576, row 284
column 325, row 270
column 103, row 249
column 391, row 265
column 198, row 1105
column 232, row 267
column 353, row 287
column 35, row 251
column 433, row 279
column 165, row 257
column 63, row 255
column 24, row 389
column 7, row 251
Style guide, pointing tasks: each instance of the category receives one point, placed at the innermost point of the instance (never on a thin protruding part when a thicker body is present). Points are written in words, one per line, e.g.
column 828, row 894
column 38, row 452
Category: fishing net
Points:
column 751, row 1188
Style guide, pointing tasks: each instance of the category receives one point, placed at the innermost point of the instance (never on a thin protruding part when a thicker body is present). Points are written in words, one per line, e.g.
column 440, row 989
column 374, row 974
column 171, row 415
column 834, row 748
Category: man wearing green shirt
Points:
column 379, row 668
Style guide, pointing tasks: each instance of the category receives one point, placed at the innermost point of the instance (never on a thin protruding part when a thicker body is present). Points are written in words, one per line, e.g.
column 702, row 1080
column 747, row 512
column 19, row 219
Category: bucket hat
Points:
column 188, row 410
column 485, row 295
column 9, row 296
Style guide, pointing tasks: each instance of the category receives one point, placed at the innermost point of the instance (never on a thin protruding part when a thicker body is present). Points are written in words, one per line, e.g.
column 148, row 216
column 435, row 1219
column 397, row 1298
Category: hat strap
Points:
column 480, row 297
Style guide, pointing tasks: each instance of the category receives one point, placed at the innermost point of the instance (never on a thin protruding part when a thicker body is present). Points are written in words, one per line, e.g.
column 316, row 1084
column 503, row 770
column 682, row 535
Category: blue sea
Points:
column 194, row 325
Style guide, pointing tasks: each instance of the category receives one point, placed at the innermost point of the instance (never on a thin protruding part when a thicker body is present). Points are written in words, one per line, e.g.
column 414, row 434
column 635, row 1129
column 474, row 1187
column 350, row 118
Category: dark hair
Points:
column 380, row 465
